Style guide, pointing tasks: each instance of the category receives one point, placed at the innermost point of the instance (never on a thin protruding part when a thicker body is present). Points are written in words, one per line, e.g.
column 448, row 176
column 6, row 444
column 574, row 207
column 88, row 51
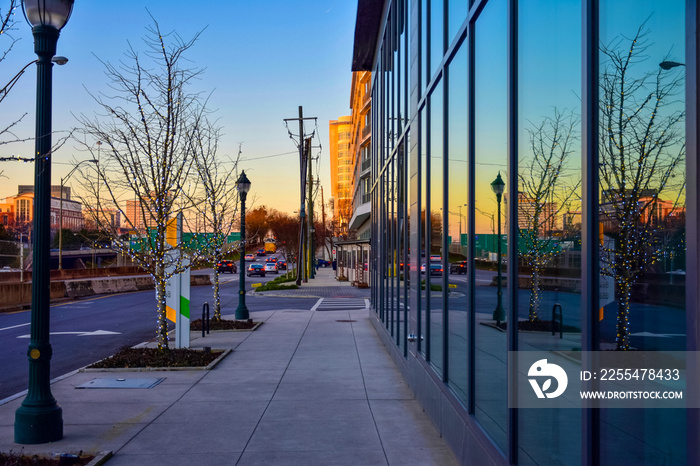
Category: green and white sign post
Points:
column 177, row 290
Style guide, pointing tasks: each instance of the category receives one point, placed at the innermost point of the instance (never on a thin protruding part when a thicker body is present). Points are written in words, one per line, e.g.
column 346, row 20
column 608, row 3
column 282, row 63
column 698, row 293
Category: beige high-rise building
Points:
column 340, row 136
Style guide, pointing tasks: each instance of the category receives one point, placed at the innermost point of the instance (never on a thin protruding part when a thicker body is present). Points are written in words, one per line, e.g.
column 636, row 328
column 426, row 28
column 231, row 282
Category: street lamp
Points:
column 60, row 215
column 243, row 184
column 498, row 186
column 40, row 419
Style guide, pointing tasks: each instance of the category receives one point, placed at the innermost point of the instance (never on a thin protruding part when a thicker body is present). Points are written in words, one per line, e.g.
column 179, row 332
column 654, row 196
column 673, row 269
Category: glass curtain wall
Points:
column 641, row 192
column 457, row 202
column 549, row 207
column 642, row 209
column 490, row 248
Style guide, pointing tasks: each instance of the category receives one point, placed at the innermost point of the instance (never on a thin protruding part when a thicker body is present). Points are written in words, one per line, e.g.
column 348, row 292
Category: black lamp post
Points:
column 39, row 419
column 243, row 188
column 498, row 186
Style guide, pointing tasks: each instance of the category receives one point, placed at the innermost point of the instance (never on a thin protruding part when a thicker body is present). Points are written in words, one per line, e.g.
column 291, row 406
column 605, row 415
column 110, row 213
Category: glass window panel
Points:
column 549, row 207
column 424, row 45
column 457, row 202
column 642, row 210
column 457, row 14
column 437, row 34
column 491, row 160
column 433, row 261
column 423, row 171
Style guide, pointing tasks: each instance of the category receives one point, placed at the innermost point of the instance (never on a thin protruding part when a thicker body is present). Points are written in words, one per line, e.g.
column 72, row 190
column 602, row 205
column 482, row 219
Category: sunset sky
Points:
column 262, row 60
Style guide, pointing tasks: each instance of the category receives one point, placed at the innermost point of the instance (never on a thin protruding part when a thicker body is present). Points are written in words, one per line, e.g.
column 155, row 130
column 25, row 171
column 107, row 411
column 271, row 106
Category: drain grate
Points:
column 122, row 383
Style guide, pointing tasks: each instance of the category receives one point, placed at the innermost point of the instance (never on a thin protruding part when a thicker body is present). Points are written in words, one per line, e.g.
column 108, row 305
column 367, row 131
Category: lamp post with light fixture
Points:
column 499, row 314
column 40, row 419
column 243, row 188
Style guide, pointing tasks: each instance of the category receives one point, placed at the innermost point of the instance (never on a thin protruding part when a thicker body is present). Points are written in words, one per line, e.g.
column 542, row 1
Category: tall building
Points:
column 361, row 106
column 340, row 138
column 476, row 105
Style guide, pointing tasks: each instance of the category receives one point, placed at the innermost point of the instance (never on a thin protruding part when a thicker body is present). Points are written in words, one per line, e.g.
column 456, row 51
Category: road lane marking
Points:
column 14, row 326
column 80, row 334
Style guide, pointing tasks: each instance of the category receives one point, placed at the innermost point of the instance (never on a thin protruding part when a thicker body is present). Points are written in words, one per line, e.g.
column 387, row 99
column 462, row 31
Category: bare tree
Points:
column 149, row 131
column 215, row 200
column 642, row 154
column 544, row 195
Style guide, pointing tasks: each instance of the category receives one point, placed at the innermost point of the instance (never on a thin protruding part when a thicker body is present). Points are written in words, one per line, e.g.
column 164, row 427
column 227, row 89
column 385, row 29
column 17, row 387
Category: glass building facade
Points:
column 548, row 149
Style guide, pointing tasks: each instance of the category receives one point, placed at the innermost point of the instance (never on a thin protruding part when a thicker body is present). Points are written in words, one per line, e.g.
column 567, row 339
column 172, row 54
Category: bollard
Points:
column 205, row 318
column 560, row 314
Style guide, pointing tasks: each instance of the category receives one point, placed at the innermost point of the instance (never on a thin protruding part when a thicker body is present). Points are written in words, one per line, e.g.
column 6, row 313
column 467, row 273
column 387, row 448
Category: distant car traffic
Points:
column 435, row 268
column 281, row 265
column 261, row 252
column 226, row 266
column 435, row 258
column 249, row 257
column 256, row 269
column 271, row 259
column 458, row 267
column 271, row 267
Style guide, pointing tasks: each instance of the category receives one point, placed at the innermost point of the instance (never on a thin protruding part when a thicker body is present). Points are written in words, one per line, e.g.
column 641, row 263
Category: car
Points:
column 459, row 267
column 261, row 252
column 323, row 263
column 256, row 269
column 226, row 266
column 281, row 265
column 271, row 267
column 435, row 258
column 271, row 259
column 435, row 268
column 249, row 257
column 422, row 268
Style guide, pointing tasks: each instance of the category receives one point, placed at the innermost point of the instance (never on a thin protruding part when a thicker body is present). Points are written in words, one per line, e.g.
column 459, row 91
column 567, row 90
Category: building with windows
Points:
column 484, row 104
column 17, row 211
column 340, row 138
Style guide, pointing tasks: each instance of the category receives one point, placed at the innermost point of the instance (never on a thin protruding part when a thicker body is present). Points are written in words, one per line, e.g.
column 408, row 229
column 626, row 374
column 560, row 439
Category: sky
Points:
column 262, row 61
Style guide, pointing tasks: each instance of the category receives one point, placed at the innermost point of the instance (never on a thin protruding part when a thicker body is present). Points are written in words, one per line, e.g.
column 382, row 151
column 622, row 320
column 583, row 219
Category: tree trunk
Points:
column 162, row 327
column 217, row 297
column 623, row 311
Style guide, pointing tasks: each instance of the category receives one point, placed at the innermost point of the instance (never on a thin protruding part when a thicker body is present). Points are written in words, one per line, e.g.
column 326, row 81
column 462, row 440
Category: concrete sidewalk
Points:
column 307, row 387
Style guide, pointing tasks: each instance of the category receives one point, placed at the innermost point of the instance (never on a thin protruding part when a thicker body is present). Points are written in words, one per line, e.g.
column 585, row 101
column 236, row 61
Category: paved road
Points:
column 90, row 329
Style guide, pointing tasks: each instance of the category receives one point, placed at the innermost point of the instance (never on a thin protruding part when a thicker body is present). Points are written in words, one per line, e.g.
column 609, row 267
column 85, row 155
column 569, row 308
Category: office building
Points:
column 484, row 104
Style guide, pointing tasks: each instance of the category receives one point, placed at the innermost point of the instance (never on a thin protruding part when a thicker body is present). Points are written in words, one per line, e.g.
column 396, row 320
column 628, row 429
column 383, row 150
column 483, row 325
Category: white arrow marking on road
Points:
column 80, row 334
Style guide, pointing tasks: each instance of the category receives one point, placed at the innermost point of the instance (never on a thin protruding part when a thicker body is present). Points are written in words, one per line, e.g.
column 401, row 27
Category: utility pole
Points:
column 323, row 219
column 311, row 230
column 303, row 165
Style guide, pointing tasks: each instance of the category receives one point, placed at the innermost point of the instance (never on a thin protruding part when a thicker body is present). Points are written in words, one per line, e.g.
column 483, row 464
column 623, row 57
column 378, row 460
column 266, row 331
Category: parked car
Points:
column 249, row 257
column 271, row 267
column 281, row 265
column 458, row 267
column 435, row 268
column 323, row 263
column 226, row 266
column 256, row 269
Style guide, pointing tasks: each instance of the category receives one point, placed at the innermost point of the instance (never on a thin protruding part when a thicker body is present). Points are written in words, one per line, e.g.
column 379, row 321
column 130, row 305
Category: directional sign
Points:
column 80, row 334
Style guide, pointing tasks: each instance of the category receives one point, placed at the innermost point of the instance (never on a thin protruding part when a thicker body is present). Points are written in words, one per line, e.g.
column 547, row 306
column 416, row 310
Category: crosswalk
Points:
column 340, row 304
